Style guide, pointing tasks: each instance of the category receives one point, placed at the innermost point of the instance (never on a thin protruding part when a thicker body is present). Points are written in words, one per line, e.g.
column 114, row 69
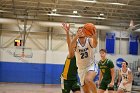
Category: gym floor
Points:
column 38, row 88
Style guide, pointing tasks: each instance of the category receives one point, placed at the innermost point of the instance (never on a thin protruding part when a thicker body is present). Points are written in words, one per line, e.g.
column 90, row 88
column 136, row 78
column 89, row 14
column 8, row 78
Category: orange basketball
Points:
column 89, row 29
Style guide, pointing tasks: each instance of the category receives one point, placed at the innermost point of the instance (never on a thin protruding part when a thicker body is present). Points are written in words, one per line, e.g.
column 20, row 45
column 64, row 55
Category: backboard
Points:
column 21, row 51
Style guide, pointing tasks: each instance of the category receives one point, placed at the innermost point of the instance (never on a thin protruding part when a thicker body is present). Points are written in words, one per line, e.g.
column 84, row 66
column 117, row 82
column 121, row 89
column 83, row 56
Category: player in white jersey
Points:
column 84, row 54
column 85, row 60
column 125, row 75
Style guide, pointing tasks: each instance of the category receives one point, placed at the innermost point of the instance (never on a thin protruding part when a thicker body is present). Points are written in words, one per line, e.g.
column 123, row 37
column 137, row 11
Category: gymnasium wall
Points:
column 49, row 53
column 42, row 70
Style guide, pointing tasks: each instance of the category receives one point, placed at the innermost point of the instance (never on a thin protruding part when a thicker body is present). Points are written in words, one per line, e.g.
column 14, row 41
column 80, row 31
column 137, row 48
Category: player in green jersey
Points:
column 106, row 75
column 69, row 75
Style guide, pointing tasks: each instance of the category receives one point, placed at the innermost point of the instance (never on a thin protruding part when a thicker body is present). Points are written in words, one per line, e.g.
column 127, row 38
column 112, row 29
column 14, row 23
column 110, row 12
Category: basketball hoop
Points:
column 23, row 52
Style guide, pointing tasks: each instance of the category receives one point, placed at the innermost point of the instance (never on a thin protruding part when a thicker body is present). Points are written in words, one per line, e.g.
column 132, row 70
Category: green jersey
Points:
column 105, row 67
column 70, row 69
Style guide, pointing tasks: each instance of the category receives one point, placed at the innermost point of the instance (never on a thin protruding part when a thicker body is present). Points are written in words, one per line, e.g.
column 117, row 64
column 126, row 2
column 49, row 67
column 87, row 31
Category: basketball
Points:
column 89, row 29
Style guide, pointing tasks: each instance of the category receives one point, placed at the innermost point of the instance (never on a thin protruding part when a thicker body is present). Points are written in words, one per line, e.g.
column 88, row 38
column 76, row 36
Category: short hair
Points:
column 125, row 63
column 104, row 50
column 80, row 27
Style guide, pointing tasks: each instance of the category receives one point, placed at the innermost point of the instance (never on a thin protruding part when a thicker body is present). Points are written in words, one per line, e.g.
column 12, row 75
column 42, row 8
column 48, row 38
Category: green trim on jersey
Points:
column 70, row 69
column 105, row 67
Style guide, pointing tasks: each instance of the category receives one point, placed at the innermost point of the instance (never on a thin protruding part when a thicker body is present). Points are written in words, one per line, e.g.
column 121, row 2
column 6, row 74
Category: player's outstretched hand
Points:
column 66, row 26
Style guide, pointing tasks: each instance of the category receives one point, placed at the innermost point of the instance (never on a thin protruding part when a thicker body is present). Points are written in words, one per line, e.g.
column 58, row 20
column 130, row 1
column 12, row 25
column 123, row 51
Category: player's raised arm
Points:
column 66, row 27
column 74, row 41
column 93, row 40
column 78, row 34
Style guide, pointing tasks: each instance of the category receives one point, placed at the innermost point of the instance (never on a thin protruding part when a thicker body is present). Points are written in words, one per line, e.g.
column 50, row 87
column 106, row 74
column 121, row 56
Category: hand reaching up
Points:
column 66, row 27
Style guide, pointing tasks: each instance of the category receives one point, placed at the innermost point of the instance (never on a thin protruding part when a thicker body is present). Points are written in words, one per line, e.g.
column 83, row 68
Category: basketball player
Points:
column 126, row 76
column 87, row 70
column 69, row 75
column 106, row 75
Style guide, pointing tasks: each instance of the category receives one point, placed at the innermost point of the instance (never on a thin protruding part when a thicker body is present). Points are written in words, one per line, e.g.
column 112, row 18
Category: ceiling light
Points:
column 88, row 1
column 54, row 14
column 76, row 16
column 4, row 11
column 117, row 3
column 74, row 12
column 94, row 1
column 54, row 10
column 73, row 16
column 101, row 14
column 96, row 17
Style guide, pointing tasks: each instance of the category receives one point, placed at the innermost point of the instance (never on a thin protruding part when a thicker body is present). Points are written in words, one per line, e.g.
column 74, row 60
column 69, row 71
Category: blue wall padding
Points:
column 110, row 43
column 30, row 72
column 133, row 49
column 53, row 73
column 133, row 44
column 21, row 72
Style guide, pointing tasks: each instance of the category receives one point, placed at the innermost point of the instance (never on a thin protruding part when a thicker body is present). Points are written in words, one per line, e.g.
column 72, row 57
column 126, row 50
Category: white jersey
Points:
column 125, row 75
column 127, row 88
column 84, row 54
